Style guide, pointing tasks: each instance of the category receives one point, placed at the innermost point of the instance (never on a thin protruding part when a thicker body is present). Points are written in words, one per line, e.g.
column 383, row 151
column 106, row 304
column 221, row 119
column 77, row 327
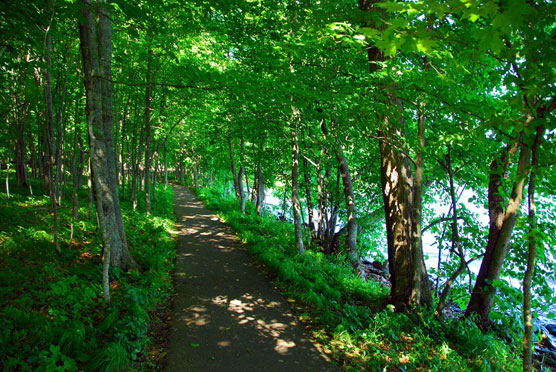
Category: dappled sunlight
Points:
column 225, row 306
column 282, row 346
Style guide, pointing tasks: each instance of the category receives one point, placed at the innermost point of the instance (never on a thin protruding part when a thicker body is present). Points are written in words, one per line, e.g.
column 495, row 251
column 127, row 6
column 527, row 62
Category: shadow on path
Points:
column 226, row 316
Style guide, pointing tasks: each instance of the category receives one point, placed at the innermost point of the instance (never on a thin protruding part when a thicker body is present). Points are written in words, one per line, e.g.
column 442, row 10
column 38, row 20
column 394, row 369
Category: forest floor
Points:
column 226, row 315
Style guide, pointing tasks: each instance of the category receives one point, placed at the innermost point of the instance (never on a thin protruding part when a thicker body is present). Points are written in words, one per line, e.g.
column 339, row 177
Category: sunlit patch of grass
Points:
column 51, row 304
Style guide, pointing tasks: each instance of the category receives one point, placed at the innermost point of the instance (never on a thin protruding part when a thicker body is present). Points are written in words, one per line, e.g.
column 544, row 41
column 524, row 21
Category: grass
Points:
column 350, row 317
column 51, row 305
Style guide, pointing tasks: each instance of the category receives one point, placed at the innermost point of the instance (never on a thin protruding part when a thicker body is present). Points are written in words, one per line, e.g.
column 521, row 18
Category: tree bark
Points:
column 50, row 150
column 531, row 258
column 233, row 164
column 296, row 203
column 309, row 199
column 148, row 99
column 242, row 195
column 502, row 223
column 351, row 236
column 259, row 202
column 402, row 195
column 96, row 57
column 456, row 246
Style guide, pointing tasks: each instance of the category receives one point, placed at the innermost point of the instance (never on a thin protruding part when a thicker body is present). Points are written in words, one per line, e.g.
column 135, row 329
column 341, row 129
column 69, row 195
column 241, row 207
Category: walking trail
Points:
column 226, row 316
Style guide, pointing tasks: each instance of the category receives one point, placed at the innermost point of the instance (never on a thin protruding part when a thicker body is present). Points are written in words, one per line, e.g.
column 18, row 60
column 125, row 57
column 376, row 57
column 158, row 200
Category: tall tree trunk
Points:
column 242, row 195
column 456, row 246
column 401, row 194
column 259, row 202
column 90, row 185
column 165, row 166
column 233, row 166
column 502, row 223
column 60, row 143
column 77, row 173
column 8, row 179
column 347, row 182
column 148, row 99
column 531, row 257
column 96, row 57
column 309, row 199
column 351, row 236
column 296, row 203
column 322, row 202
column 50, row 150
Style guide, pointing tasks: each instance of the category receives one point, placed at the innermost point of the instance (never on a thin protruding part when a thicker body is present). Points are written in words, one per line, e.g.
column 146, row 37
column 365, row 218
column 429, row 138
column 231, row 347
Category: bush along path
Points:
column 227, row 317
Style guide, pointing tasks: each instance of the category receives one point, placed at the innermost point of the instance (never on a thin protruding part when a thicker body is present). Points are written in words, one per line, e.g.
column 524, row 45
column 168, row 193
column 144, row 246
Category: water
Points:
column 430, row 251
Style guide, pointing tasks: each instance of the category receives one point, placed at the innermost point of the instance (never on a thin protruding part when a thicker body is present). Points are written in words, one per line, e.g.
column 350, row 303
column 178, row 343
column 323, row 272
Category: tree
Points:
column 402, row 195
column 96, row 54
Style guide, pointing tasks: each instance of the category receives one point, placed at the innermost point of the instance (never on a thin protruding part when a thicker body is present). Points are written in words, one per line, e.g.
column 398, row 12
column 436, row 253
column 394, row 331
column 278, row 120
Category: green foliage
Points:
column 54, row 317
column 348, row 315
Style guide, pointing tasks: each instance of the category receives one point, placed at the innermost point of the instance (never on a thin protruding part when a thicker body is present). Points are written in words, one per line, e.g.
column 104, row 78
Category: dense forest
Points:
column 406, row 147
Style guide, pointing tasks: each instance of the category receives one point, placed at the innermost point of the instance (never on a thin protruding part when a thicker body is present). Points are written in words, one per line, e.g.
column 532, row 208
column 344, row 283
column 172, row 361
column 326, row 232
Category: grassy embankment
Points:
column 349, row 317
column 53, row 314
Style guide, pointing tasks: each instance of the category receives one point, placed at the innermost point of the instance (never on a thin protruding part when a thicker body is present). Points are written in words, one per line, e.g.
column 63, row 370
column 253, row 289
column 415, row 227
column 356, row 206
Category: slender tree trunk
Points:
column 155, row 172
column 296, row 203
column 32, row 149
column 137, row 173
column 59, row 144
column 309, row 199
column 259, row 202
column 242, row 195
column 531, row 258
column 323, row 204
column 50, row 151
column 351, row 236
column 90, row 185
column 332, row 221
column 148, row 99
column 502, row 224
column 456, row 246
column 77, row 174
column 233, row 166
column 8, row 179
column 165, row 166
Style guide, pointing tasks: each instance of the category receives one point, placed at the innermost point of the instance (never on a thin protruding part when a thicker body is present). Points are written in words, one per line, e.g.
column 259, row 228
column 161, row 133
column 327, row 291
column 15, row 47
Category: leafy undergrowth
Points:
column 349, row 316
column 53, row 314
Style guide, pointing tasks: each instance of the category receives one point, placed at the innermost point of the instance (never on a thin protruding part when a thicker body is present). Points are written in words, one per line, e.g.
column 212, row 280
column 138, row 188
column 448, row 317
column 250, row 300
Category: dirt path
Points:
column 226, row 316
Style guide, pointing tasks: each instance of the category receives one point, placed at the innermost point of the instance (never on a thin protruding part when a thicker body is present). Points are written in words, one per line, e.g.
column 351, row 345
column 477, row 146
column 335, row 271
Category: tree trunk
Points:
column 90, row 185
column 77, row 174
column 296, row 203
column 402, row 196
column 242, row 195
column 456, row 246
column 96, row 57
column 233, row 165
column 50, row 151
column 8, row 179
column 351, row 236
column 258, row 185
column 165, row 166
column 531, row 258
column 502, row 224
column 148, row 99
column 309, row 199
